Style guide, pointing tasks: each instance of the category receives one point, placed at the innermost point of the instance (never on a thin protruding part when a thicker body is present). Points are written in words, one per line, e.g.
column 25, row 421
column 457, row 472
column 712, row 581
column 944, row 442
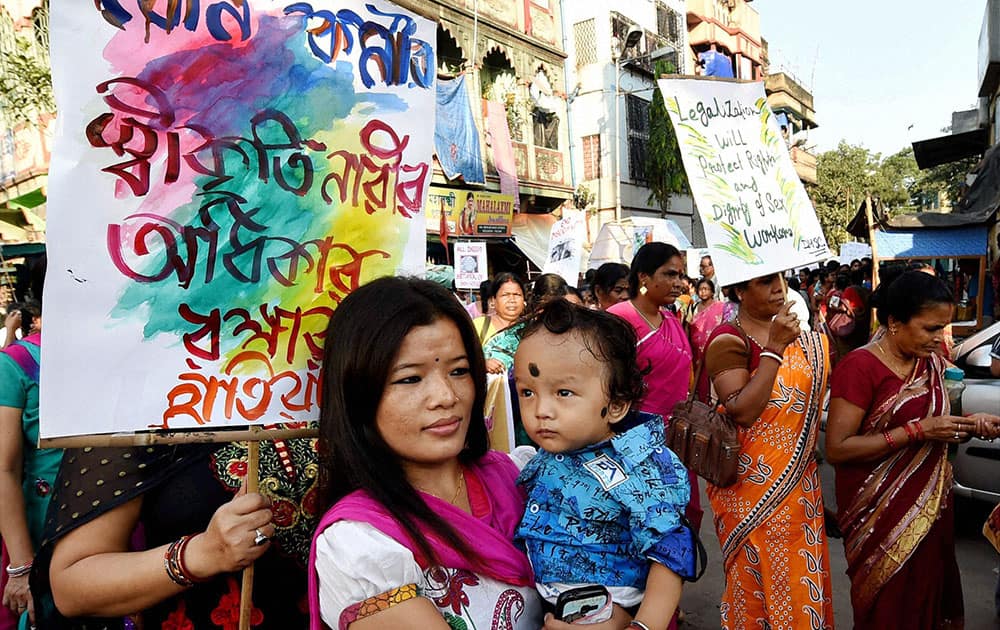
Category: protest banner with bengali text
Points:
column 224, row 174
column 757, row 217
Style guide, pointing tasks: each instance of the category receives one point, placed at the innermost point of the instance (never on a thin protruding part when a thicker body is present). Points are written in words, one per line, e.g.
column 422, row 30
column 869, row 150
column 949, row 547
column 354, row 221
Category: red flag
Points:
column 443, row 229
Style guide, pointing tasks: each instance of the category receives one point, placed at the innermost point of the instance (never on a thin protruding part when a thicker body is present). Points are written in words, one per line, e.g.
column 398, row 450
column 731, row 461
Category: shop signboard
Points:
column 469, row 212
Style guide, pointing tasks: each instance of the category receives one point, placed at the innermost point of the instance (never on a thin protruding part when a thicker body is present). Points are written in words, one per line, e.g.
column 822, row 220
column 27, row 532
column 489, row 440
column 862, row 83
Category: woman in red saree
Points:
column 771, row 378
column 887, row 435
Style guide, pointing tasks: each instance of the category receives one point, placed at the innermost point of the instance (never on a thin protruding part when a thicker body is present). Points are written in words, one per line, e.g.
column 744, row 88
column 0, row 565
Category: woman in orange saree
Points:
column 887, row 435
column 771, row 378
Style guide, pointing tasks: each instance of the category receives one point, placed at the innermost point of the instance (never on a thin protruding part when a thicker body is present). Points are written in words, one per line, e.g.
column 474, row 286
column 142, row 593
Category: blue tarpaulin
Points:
column 932, row 243
column 716, row 64
column 456, row 139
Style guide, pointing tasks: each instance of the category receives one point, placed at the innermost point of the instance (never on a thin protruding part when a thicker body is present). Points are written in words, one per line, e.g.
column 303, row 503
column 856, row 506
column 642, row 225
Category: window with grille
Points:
column 546, row 128
column 592, row 157
column 668, row 23
column 585, row 41
column 40, row 26
column 637, row 121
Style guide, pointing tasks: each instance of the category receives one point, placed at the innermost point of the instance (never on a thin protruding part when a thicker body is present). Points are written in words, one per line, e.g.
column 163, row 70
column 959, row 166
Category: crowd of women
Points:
column 401, row 516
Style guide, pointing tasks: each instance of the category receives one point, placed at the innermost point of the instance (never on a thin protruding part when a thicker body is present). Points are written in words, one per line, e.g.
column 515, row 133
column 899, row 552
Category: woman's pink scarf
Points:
column 491, row 538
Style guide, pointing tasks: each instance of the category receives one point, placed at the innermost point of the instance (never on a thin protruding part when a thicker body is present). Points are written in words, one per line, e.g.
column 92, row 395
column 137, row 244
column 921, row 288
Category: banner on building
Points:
column 456, row 138
column 757, row 217
column 566, row 247
column 470, row 264
column 222, row 178
column 469, row 212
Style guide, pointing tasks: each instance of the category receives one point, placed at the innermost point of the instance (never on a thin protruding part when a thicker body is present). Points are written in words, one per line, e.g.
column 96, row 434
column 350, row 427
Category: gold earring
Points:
column 892, row 331
column 643, row 290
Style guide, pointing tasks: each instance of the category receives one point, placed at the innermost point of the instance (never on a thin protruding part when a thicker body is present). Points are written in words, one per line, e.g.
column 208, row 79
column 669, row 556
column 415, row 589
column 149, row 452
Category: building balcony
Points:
column 805, row 164
column 785, row 94
column 737, row 30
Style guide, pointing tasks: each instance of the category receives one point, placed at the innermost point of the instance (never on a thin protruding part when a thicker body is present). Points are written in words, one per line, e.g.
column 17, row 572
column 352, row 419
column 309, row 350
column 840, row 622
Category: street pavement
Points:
column 977, row 561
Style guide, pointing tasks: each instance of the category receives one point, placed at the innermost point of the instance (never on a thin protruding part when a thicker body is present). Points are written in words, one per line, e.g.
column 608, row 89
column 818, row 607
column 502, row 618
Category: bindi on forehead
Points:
column 533, row 370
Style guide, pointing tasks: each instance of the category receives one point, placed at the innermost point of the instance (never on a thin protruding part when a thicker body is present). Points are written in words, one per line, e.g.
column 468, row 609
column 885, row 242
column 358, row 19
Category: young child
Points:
column 604, row 504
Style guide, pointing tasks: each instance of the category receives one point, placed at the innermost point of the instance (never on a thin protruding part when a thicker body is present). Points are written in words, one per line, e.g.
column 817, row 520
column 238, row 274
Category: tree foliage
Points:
column 846, row 174
column 843, row 177
column 665, row 174
column 25, row 84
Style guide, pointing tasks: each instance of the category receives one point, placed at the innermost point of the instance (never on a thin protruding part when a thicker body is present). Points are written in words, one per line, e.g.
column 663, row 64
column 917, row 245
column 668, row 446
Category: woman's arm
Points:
column 844, row 445
column 744, row 396
column 413, row 614
column 13, row 520
column 94, row 575
column 11, row 323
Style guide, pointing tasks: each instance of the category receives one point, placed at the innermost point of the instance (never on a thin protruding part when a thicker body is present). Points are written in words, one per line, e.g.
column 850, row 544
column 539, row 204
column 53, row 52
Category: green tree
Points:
column 665, row 174
column 844, row 175
column 25, row 84
column 899, row 180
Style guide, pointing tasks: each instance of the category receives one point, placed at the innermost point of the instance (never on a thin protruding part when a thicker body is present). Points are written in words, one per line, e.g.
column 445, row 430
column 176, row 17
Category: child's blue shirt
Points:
column 598, row 515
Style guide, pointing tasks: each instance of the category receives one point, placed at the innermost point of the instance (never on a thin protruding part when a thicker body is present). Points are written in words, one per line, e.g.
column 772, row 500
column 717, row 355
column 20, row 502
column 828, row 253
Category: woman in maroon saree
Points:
column 887, row 436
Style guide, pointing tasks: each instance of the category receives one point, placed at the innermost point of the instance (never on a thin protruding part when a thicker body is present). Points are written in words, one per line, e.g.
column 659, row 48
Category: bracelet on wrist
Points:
column 911, row 434
column 772, row 355
column 21, row 571
column 637, row 624
column 888, row 439
column 173, row 563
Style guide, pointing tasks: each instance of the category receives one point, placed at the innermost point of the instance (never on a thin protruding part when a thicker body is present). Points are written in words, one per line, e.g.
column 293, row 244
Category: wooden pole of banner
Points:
column 253, row 475
column 869, row 218
column 176, row 437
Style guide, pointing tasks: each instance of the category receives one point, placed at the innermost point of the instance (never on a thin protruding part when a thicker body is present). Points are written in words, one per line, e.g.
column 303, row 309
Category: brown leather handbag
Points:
column 704, row 438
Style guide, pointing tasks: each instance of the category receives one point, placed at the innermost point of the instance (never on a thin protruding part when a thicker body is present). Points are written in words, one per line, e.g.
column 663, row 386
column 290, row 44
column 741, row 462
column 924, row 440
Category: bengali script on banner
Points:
column 225, row 173
column 757, row 217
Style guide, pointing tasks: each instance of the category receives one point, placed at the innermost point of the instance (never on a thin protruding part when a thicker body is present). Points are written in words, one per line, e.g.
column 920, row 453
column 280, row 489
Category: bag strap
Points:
column 701, row 366
column 702, row 557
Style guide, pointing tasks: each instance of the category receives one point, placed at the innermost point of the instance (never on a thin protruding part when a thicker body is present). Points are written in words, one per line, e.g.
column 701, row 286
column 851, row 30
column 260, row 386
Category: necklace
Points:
column 645, row 319
column 747, row 333
column 458, row 492
column 891, row 360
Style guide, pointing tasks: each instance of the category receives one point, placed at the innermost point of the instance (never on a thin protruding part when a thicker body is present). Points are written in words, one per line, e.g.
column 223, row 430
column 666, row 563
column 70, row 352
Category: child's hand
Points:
column 619, row 621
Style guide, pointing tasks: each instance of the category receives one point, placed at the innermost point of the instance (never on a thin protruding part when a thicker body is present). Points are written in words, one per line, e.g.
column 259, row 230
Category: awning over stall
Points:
column 938, row 243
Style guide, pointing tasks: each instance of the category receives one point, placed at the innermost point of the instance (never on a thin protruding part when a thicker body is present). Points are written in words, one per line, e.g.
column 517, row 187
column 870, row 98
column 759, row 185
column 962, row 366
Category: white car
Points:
column 977, row 462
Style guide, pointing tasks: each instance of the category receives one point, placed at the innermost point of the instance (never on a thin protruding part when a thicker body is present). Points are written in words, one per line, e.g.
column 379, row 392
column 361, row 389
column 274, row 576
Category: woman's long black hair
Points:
column 361, row 345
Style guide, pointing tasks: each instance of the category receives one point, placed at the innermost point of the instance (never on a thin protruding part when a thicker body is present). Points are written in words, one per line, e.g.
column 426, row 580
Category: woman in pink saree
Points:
column 708, row 313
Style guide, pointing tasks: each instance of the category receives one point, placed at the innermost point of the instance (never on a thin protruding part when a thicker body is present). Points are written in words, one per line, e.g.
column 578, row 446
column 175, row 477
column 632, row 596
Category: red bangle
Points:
column 181, row 548
column 918, row 425
column 911, row 433
column 888, row 438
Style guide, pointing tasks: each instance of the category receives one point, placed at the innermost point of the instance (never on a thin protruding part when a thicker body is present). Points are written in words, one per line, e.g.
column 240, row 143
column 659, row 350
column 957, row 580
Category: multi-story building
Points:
column 510, row 52
column 730, row 27
column 24, row 144
column 612, row 49
column 792, row 104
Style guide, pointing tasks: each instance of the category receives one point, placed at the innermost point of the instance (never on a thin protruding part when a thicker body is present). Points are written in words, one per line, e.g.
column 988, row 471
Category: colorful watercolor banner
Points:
column 757, row 217
column 225, row 173
column 469, row 212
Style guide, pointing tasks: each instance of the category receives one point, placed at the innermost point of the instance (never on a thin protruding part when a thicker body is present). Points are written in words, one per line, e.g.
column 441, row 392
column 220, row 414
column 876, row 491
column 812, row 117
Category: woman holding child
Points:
column 422, row 520
column 422, row 516
column 771, row 379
